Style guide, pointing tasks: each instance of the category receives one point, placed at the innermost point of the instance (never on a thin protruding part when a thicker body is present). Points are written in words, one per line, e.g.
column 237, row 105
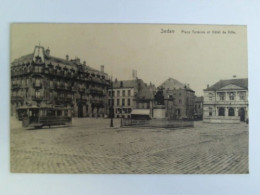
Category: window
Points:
column 231, row 112
column 38, row 82
column 221, row 96
column 123, row 92
column 129, row 92
column 221, row 111
column 128, row 102
column 118, row 93
column 123, row 102
column 242, row 96
column 180, row 101
column 109, row 93
column 210, row 111
column 210, row 96
column 37, row 94
column 113, row 93
column 118, row 102
column 231, row 96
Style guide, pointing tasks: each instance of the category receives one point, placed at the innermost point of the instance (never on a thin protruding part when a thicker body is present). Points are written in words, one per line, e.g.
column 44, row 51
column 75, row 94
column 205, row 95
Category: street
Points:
column 91, row 146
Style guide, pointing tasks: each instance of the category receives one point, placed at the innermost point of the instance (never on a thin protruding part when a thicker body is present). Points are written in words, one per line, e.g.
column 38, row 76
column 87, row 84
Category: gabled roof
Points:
column 242, row 83
column 51, row 59
column 143, row 91
column 173, row 84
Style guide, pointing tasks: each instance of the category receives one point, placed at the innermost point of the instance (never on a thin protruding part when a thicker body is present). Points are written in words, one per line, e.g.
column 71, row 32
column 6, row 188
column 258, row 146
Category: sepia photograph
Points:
column 128, row 98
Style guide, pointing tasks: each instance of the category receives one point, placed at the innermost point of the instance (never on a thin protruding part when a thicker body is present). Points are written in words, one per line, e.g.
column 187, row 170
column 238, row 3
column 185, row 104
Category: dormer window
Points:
column 38, row 59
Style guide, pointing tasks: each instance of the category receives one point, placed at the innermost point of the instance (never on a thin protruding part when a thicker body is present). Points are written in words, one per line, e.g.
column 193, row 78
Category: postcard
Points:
column 129, row 99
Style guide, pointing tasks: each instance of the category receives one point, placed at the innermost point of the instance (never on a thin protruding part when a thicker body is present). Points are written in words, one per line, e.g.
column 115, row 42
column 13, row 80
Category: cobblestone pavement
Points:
column 90, row 146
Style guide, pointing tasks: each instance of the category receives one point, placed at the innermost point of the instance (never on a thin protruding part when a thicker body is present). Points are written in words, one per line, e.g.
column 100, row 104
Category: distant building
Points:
column 226, row 101
column 179, row 99
column 198, row 108
column 132, row 94
column 40, row 79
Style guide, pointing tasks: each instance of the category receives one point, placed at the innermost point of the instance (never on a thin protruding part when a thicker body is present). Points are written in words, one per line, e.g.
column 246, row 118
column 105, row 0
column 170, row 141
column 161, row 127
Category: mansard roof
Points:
column 231, row 83
column 125, row 83
column 51, row 60
column 171, row 84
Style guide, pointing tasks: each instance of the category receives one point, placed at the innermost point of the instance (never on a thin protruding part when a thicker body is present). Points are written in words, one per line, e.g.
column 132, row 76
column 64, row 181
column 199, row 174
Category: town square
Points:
column 91, row 146
column 116, row 110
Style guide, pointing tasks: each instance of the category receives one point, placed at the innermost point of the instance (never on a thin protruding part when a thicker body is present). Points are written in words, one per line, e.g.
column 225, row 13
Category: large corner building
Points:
column 42, row 80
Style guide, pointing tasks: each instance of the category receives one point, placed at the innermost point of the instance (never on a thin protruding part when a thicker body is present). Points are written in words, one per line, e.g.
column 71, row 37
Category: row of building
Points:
column 42, row 80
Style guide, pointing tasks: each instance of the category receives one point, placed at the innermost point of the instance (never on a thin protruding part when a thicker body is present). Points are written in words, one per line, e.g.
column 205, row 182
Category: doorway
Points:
column 242, row 114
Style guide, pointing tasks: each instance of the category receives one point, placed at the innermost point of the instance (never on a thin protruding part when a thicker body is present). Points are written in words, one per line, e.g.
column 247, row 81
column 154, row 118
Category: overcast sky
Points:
column 197, row 58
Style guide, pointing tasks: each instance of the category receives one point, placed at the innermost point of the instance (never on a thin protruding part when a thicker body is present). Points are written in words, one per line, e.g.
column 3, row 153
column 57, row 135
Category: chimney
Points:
column 121, row 83
column 134, row 74
column 67, row 57
column 116, row 80
column 207, row 86
column 84, row 63
column 102, row 67
column 47, row 52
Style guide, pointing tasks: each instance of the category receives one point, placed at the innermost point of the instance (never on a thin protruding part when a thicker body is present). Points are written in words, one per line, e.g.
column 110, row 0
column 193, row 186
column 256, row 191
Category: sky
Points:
column 193, row 54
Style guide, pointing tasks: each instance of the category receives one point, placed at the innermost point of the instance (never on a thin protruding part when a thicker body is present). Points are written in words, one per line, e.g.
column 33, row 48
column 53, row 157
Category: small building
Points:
column 179, row 99
column 126, row 95
column 226, row 101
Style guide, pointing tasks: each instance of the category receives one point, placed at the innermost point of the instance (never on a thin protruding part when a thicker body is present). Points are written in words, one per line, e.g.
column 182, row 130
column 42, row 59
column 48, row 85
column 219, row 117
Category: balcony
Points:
column 82, row 89
column 16, row 86
column 83, row 99
column 60, row 87
column 37, row 98
column 37, row 85
column 96, row 91
column 63, row 99
column 17, row 98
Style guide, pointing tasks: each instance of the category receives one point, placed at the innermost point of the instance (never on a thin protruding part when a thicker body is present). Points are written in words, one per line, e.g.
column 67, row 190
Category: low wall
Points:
column 222, row 119
column 159, row 113
column 160, row 123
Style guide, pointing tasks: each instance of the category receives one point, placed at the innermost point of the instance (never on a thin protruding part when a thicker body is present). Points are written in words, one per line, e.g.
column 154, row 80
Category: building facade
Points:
column 198, row 108
column 226, row 101
column 179, row 99
column 39, row 79
column 132, row 94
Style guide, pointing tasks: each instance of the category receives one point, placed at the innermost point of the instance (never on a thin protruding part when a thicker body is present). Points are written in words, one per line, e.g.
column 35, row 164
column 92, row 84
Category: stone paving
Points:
column 90, row 146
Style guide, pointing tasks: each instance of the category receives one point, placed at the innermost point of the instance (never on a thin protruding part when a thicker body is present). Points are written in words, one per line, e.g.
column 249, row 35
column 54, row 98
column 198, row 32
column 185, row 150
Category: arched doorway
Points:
column 221, row 111
column 242, row 114
column 231, row 112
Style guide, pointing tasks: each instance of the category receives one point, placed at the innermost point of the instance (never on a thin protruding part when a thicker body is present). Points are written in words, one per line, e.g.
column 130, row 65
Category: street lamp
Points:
column 112, row 103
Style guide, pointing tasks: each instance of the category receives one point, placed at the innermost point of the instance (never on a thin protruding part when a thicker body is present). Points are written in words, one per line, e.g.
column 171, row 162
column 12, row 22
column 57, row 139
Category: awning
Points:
column 140, row 112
